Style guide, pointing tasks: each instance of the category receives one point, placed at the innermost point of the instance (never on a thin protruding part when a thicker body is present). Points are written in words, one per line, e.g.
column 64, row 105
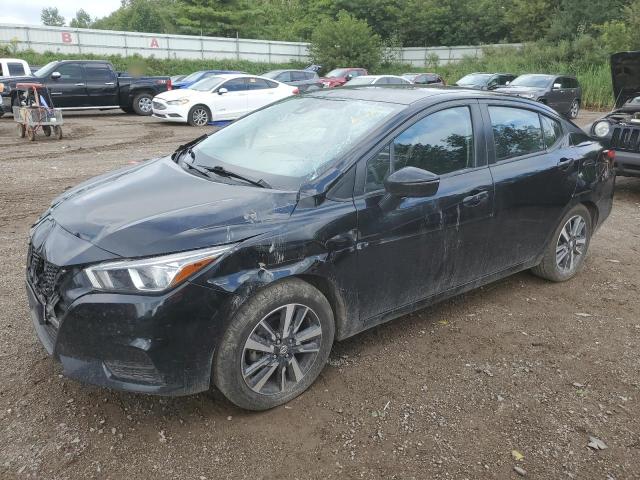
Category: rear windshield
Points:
column 475, row 79
column 539, row 81
column 338, row 72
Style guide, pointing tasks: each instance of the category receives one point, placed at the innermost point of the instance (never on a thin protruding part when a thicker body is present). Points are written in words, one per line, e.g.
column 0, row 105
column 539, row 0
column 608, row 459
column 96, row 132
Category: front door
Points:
column 535, row 175
column 233, row 103
column 102, row 84
column 412, row 248
column 69, row 90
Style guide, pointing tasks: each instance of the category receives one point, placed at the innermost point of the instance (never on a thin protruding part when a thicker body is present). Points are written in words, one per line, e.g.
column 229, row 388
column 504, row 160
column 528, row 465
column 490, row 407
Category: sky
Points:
column 28, row 11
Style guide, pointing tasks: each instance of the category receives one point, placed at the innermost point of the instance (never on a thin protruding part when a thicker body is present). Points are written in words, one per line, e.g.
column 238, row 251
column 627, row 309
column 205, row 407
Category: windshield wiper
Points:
column 180, row 150
column 223, row 172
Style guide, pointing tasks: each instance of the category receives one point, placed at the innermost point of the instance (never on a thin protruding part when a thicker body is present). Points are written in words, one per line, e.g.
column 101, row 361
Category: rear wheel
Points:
column 31, row 134
column 142, row 103
column 275, row 346
column 57, row 131
column 46, row 129
column 565, row 254
column 199, row 116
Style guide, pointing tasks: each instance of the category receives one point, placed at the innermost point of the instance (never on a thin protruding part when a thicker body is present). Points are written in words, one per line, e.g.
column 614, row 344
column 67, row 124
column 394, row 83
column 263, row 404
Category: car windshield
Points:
column 44, row 71
column 261, row 145
column 361, row 81
column 192, row 77
column 338, row 72
column 207, row 84
column 475, row 79
column 539, row 81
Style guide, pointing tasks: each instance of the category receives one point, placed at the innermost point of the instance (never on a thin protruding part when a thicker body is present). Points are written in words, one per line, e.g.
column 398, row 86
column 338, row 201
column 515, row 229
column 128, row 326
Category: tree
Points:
column 51, row 17
column 344, row 42
column 82, row 20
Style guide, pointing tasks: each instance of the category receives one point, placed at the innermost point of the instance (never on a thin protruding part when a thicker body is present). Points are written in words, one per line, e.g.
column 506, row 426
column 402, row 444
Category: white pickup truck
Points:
column 14, row 67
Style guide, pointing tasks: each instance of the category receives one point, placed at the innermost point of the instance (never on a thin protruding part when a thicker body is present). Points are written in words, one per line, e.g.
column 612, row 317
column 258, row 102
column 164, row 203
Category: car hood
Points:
column 158, row 208
column 180, row 93
column 11, row 81
column 625, row 76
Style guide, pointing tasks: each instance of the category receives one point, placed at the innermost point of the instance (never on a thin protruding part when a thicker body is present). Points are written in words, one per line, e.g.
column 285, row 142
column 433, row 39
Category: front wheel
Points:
column 57, row 131
column 565, row 254
column 142, row 104
column 199, row 116
column 275, row 346
column 574, row 110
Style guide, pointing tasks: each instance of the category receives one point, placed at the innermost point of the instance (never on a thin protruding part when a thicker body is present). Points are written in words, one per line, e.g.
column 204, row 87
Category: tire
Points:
column 576, row 245
column 235, row 358
column 57, row 132
column 46, row 129
column 199, row 116
column 31, row 134
column 574, row 109
column 21, row 130
column 142, row 104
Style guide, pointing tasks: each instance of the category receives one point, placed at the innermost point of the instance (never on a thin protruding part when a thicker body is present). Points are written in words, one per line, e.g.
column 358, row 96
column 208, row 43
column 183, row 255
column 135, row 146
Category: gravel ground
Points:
column 519, row 374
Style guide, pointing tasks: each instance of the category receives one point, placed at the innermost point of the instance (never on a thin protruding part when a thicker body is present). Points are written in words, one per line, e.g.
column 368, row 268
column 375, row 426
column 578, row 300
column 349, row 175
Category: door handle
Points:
column 475, row 199
column 56, row 93
column 79, row 84
column 564, row 163
column 110, row 83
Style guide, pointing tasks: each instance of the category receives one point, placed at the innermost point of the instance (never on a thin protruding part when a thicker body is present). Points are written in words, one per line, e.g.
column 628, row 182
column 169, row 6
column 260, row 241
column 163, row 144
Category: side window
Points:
column 566, row 82
column 378, row 168
column 440, row 143
column 284, row 77
column 15, row 69
column 355, row 73
column 98, row 73
column 1, row 70
column 271, row 84
column 515, row 132
column 382, row 81
column 551, row 131
column 70, row 72
column 256, row 84
column 235, row 85
column 298, row 76
column 311, row 75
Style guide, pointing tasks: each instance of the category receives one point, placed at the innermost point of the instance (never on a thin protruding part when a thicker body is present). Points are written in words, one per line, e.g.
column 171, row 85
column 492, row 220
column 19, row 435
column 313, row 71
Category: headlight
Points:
column 601, row 129
column 152, row 274
column 180, row 101
column 527, row 95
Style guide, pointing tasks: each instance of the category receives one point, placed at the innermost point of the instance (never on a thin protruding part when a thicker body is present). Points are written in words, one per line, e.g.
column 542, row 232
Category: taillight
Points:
column 169, row 84
column 609, row 156
column 296, row 91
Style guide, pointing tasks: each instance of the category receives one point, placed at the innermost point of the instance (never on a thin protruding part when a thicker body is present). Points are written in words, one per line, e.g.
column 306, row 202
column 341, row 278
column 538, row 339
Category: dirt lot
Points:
column 447, row 392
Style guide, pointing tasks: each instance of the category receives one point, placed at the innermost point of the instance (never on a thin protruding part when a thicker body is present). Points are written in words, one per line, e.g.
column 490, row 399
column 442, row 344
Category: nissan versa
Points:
column 238, row 260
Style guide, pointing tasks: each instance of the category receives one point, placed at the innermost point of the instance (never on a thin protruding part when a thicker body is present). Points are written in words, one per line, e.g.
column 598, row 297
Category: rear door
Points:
column 535, row 175
column 410, row 249
column 557, row 97
column 261, row 93
column 102, row 84
column 70, row 89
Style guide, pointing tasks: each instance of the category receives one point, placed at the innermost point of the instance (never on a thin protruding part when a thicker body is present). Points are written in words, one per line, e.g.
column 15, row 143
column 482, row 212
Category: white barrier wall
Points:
column 108, row 42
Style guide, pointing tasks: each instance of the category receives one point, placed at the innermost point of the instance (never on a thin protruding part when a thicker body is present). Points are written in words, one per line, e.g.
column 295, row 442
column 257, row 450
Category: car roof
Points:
column 410, row 94
column 421, row 73
column 12, row 60
column 379, row 76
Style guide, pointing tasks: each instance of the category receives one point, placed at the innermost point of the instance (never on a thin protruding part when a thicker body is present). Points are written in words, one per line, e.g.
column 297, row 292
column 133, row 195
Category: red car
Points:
column 339, row 76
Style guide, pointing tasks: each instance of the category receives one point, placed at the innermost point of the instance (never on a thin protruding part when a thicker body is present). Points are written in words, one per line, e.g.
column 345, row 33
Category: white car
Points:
column 377, row 80
column 14, row 67
column 220, row 97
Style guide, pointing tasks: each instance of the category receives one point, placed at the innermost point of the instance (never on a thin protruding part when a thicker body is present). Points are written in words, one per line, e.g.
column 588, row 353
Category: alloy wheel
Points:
column 200, row 117
column 281, row 349
column 571, row 244
column 145, row 104
column 575, row 108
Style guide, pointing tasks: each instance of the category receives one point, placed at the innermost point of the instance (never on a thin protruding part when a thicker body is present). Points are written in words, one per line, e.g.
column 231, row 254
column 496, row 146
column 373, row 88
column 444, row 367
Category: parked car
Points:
column 237, row 261
column 176, row 78
column 13, row 67
column 194, row 77
column 221, row 97
column 560, row 92
column 620, row 129
column 340, row 76
column 424, row 78
column 91, row 84
column 377, row 80
column 485, row 81
column 305, row 80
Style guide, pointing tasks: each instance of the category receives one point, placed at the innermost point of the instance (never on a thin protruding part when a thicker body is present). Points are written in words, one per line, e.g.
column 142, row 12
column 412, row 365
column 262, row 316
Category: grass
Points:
column 592, row 70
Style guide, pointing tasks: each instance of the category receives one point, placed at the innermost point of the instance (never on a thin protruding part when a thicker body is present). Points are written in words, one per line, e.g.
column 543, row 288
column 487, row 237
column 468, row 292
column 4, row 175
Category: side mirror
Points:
column 557, row 86
column 412, row 182
column 507, row 82
column 492, row 87
column 222, row 91
column 56, row 75
column 348, row 77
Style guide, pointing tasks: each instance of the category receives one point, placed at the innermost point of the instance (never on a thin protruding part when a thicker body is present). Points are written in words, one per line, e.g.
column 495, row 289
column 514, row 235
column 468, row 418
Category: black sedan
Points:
column 240, row 259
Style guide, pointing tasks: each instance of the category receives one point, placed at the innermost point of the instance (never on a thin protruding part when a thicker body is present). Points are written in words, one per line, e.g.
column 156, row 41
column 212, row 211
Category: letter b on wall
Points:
column 66, row 37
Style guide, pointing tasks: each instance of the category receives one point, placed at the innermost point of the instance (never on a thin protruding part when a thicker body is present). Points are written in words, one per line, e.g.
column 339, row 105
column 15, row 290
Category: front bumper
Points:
column 150, row 344
column 171, row 113
column 627, row 164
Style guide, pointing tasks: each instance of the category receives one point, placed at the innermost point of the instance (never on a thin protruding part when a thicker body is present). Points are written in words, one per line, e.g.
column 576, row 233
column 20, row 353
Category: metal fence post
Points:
column 237, row 46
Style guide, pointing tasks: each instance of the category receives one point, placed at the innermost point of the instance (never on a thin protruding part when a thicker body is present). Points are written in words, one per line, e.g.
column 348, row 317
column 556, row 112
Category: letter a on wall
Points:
column 154, row 43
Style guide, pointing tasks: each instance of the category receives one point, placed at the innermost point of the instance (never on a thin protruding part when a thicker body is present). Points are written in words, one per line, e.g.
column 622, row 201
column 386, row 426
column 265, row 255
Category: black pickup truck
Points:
column 90, row 84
